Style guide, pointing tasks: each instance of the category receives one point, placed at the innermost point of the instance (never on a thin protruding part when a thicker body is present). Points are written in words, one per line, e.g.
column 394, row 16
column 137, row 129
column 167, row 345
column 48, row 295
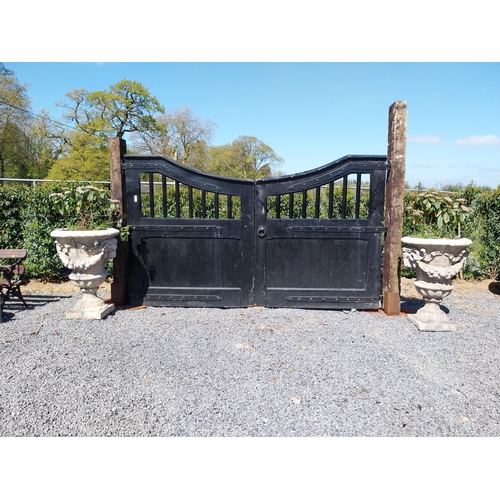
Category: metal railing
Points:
column 35, row 181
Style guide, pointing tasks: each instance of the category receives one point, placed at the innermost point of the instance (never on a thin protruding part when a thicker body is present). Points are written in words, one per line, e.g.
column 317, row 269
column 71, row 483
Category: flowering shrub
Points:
column 86, row 207
column 436, row 214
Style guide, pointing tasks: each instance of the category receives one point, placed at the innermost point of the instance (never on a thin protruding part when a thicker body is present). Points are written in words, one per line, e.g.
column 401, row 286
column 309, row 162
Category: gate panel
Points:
column 333, row 269
column 322, row 243
column 310, row 240
column 187, row 265
column 191, row 242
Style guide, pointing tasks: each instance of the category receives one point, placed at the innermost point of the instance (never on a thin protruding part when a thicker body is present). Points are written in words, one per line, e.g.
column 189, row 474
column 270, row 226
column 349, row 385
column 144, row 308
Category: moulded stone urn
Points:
column 436, row 262
column 85, row 253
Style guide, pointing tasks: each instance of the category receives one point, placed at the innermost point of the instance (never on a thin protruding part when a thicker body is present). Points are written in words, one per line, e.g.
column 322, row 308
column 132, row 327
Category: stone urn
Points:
column 436, row 262
column 85, row 253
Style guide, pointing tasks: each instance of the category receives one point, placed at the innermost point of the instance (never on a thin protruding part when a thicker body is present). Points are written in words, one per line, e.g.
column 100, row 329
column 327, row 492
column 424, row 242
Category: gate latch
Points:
column 261, row 231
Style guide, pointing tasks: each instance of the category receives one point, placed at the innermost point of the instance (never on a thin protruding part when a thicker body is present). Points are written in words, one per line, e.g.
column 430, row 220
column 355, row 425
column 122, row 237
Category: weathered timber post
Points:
column 396, row 155
column 117, row 148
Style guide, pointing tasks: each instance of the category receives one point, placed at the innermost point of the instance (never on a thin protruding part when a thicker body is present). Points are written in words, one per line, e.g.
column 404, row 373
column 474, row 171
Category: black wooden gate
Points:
column 309, row 240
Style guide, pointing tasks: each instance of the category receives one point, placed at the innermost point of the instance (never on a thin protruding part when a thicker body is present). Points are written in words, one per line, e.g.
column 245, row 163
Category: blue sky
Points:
column 236, row 64
column 313, row 113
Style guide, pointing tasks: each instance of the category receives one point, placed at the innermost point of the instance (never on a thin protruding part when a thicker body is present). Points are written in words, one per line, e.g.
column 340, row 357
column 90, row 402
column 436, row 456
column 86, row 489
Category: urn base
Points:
column 90, row 307
column 431, row 318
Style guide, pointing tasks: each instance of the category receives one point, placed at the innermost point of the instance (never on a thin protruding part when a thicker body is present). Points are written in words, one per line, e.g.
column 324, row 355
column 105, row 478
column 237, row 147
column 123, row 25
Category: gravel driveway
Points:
column 248, row 372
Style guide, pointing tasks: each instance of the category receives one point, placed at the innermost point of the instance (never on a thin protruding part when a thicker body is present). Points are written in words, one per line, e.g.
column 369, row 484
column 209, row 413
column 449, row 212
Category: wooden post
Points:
column 396, row 155
column 117, row 148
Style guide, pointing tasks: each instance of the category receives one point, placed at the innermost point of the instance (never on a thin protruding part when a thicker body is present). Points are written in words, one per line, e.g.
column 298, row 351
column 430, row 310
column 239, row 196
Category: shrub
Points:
column 434, row 214
column 11, row 227
column 487, row 205
column 27, row 217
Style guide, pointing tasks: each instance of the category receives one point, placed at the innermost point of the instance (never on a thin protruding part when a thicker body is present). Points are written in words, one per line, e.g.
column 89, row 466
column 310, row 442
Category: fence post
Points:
column 117, row 148
column 396, row 155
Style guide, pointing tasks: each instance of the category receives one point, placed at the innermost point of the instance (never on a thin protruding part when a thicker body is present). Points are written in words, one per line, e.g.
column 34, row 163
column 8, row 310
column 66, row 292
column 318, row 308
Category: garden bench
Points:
column 11, row 276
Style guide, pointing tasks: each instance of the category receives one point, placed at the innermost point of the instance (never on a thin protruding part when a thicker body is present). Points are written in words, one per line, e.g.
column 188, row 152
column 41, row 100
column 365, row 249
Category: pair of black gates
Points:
column 309, row 240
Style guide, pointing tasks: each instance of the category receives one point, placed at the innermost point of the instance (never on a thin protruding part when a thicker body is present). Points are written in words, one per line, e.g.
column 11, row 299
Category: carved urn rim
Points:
column 79, row 233
column 449, row 242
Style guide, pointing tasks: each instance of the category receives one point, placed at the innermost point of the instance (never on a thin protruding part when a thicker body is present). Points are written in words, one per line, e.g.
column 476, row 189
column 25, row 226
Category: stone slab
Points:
column 425, row 326
column 90, row 314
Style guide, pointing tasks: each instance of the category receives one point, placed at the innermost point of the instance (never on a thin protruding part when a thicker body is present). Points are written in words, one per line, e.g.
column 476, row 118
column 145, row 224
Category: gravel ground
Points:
column 248, row 372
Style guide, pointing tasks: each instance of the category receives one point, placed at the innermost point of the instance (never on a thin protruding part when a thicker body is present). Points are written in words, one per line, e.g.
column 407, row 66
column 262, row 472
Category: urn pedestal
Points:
column 85, row 253
column 436, row 262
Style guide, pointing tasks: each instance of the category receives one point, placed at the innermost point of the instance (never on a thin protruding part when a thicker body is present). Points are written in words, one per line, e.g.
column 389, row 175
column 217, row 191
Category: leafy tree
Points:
column 246, row 157
column 256, row 158
column 84, row 157
column 222, row 161
column 44, row 145
column 420, row 187
column 454, row 188
column 180, row 135
column 472, row 191
column 127, row 106
column 14, row 120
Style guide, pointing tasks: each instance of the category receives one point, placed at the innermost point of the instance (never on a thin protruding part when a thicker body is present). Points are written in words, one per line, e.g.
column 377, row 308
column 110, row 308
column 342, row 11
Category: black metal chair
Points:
column 12, row 276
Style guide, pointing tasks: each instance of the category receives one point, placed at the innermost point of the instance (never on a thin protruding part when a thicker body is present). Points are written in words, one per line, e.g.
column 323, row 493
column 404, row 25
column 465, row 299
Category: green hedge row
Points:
column 482, row 226
column 27, row 217
column 487, row 207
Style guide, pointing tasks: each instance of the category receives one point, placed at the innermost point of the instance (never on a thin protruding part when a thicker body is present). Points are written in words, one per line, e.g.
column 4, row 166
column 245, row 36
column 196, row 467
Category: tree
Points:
column 454, row 188
column 126, row 107
column 222, row 161
column 14, row 120
column 84, row 157
column 45, row 145
column 246, row 157
column 39, row 149
column 180, row 135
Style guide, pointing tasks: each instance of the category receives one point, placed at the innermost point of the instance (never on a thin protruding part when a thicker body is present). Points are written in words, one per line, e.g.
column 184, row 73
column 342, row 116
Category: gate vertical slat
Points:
column 203, row 204
column 358, row 196
column 177, row 199
column 151, row 195
column 304, row 204
column 190, row 201
column 216, row 202
column 330, row 200
column 344, row 197
column 164, row 195
column 318, row 196
column 290, row 207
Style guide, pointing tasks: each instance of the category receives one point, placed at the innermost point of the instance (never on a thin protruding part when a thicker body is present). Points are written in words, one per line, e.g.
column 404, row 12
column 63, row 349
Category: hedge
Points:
column 27, row 217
